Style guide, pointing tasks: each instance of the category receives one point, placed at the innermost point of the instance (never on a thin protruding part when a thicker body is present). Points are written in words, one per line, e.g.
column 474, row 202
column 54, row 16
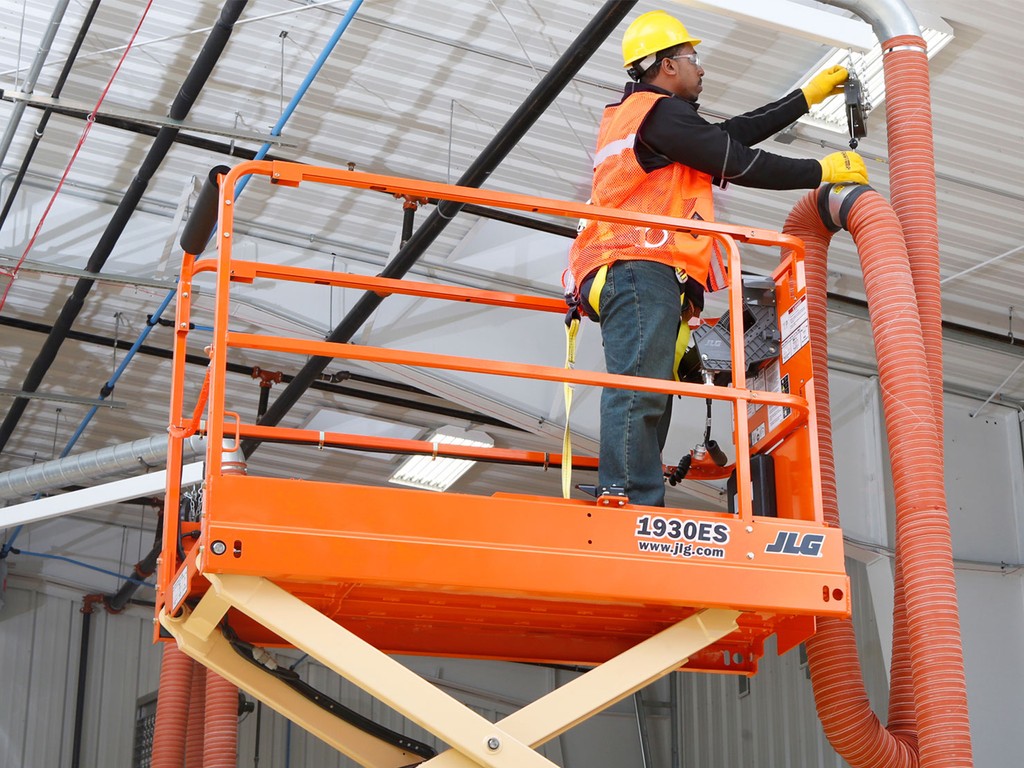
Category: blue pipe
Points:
column 275, row 131
column 303, row 87
column 91, row 567
column 107, row 389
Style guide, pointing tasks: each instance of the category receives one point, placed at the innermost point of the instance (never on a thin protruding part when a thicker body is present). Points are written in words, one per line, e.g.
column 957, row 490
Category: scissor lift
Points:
column 350, row 573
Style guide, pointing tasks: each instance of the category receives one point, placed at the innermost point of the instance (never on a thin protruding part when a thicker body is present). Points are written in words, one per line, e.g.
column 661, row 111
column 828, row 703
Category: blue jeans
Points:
column 639, row 324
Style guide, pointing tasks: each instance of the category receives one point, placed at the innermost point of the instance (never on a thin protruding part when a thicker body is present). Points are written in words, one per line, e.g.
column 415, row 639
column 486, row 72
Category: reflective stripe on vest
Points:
column 614, row 148
column 620, row 182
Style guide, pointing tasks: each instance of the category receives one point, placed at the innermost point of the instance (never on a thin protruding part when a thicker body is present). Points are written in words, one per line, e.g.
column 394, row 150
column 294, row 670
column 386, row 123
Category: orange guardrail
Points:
column 578, row 581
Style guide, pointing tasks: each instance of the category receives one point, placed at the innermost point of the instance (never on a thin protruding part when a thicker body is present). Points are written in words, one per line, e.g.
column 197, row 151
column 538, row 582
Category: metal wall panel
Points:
column 984, row 483
column 37, row 635
column 861, row 470
column 992, row 625
column 775, row 724
column 40, row 638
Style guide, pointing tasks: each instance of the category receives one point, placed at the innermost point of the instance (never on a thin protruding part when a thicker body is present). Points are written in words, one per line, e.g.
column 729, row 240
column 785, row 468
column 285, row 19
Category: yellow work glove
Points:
column 824, row 84
column 843, row 167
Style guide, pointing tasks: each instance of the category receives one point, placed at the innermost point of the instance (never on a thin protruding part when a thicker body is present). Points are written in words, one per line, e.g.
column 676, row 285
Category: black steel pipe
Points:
column 408, row 220
column 261, row 407
column 327, row 383
column 83, row 669
column 62, row 78
column 569, row 63
column 183, row 101
column 511, row 217
column 116, row 602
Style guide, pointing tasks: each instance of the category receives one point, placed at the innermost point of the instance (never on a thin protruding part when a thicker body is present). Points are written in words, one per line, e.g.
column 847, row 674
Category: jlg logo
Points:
column 792, row 543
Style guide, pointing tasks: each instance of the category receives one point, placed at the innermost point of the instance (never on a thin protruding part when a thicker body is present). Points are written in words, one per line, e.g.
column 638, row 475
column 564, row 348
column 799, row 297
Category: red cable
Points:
column 89, row 121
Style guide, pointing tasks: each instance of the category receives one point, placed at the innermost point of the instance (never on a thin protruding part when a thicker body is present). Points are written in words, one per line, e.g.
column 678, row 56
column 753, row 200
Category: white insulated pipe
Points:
column 88, row 468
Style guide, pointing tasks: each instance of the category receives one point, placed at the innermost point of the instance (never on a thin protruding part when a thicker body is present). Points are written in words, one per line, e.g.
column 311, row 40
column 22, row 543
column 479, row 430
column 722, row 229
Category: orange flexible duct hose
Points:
column 194, row 730
column 912, row 177
column 926, row 613
column 945, row 734
column 171, row 708
column 912, row 188
column 902, row 718
column 220, row 746
column 850, row 725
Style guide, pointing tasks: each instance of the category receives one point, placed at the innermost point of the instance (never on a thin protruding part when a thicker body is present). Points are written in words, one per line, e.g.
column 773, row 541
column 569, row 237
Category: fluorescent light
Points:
column 831, row 113
column 439, row 473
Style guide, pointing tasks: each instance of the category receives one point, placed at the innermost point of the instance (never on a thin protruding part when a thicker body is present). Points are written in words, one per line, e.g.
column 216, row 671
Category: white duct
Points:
column 889, row 18
column 88, row 468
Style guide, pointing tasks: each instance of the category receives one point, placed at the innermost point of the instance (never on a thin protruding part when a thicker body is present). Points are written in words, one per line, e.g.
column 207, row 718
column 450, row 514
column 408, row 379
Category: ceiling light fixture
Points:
column 439, row 473
column 831, row 113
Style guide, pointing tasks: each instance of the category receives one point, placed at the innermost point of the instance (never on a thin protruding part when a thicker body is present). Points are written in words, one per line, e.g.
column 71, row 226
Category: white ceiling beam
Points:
column 804, row 21
column 97, row 496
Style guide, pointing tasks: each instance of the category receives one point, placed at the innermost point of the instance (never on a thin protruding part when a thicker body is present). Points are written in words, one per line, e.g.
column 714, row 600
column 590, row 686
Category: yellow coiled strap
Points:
column 571, row 329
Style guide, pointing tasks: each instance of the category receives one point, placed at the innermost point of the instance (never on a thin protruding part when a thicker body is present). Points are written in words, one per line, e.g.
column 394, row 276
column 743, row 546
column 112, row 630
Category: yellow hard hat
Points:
column 652, row 32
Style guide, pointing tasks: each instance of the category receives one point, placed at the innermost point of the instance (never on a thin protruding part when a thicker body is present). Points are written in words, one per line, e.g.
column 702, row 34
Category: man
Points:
column 656, row 154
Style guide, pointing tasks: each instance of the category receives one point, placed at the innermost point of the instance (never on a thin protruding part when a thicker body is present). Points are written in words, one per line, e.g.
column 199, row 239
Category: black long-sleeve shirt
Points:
column 674, row 131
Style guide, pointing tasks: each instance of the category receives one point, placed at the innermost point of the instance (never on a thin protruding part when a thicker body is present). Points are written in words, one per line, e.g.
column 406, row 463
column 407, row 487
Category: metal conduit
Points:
column 569, row 63
column 86, row 468
column 33, row 74
column 182, row 104
column 37, row 136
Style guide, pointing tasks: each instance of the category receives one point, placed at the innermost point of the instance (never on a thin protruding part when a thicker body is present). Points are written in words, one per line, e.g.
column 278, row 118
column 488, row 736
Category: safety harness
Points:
column 585, row 300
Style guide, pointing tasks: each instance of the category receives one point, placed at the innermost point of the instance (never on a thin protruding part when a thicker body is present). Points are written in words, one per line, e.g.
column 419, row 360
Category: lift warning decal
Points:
column 795, row 329
column 681, row 538
column 179, row 588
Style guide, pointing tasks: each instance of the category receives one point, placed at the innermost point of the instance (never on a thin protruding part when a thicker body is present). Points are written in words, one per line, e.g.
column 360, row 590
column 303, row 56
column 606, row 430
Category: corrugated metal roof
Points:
column 419, row 89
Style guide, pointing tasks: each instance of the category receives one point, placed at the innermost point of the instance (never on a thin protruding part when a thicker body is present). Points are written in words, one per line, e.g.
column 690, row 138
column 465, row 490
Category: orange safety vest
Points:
column 620, row 182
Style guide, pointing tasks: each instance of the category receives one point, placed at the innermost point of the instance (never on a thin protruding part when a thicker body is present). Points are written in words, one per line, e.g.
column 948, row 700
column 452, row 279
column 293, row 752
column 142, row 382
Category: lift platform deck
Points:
column 350, row 573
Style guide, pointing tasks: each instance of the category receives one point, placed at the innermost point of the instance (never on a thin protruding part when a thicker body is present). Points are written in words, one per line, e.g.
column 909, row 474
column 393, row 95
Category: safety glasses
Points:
column 693, row 58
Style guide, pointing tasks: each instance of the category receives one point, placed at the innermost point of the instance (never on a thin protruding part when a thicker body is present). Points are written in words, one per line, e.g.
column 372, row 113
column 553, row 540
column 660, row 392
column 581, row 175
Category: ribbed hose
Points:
column 851, row 726
column 927, row 660
column 171, row 708
column 912, row 188
column 220, row 745
column 912, row 182
column 195, row 730
column 945, row 735
column 912, row 178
